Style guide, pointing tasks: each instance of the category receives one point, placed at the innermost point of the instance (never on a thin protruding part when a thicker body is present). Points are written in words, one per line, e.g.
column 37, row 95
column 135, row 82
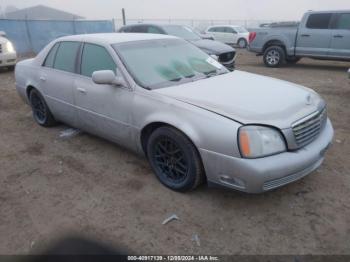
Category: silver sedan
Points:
column 193, row 119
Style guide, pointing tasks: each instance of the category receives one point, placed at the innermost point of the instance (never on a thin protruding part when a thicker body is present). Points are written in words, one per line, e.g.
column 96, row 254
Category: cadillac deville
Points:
column 166, row 99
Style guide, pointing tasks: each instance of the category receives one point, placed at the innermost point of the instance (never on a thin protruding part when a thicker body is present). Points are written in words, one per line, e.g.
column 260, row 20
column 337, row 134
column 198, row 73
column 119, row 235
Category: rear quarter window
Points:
column 50, row 58
column 319, row 21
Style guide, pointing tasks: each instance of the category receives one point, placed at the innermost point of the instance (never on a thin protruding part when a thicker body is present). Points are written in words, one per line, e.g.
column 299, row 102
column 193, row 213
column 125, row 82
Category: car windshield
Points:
column 181, row 31
column 241, row 30
column 166, row 62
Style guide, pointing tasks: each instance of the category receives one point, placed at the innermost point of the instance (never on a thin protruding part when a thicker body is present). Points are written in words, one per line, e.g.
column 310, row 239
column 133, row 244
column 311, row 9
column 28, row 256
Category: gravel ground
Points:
column 83, row 185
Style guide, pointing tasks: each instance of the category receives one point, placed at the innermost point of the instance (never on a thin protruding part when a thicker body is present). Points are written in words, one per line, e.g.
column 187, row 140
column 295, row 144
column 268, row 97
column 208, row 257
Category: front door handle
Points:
column 338, row 36
column 81, row 90
column 305, row 35
column 42, row 78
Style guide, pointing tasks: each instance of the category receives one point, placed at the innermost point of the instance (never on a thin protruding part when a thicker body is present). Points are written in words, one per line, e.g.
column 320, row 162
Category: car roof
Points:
column 225, row 26
column 114, row 38
column 327, row 11
column 152, row 24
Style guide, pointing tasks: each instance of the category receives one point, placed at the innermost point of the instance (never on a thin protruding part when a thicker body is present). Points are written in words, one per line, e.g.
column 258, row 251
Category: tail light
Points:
column 252, row 36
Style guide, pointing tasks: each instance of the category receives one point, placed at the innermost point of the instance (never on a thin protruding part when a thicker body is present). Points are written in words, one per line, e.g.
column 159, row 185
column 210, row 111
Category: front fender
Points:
column 207, row 130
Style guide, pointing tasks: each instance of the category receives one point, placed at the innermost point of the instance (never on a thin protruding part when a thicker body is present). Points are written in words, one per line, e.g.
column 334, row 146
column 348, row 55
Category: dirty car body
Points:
column 251, row 133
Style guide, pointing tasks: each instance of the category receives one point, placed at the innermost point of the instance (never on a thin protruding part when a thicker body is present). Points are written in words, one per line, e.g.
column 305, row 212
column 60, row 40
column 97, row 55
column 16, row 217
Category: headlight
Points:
column 10, row 47
column 260, row 141
column 215, row 57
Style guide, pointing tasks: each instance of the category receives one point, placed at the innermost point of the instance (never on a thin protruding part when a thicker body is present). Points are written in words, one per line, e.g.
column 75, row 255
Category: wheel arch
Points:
column 242, row 38
column 29, row 89
column 275, row 42
column 149, row 128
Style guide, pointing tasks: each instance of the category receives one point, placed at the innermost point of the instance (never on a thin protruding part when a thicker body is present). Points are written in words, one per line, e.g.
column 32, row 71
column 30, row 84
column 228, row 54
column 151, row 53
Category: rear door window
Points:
column 229, row 30
column 66, row 56
column 95, row 58
column 319, row 21
column 343, row 22
column 50, row 59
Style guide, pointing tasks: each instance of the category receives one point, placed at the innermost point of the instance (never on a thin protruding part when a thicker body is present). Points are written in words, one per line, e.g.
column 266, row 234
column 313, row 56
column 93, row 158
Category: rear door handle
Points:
column 305, row 35
column 338, row 36
column 42, row 78
column 81, row 90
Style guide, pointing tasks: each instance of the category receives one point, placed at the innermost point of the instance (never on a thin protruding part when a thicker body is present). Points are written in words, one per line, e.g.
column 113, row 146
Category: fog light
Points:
column 233, row 181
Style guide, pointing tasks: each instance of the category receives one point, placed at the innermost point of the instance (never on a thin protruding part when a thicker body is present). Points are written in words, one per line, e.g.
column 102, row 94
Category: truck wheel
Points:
column 242, row 43
column 292, row 60
column 274, row 56
column 174, row 159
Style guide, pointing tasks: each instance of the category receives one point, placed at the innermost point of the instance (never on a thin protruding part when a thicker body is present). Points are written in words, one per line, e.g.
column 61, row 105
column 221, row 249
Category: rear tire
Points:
column 174, row 159
column 274, row 56
column 41, row 112
column 242, row 43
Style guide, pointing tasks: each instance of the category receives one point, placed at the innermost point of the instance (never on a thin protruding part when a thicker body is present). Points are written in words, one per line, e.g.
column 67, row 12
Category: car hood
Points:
column 249, row 98
column 212, row 47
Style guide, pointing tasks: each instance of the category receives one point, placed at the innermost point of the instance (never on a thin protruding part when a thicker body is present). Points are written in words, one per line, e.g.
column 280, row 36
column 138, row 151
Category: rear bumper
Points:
column 8, row 59
column 264, row 174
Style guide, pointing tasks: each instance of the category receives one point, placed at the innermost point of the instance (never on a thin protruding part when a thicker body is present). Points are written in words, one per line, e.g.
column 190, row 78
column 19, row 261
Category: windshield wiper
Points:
column 176, row 79
column 211, row 73
column 190, row 76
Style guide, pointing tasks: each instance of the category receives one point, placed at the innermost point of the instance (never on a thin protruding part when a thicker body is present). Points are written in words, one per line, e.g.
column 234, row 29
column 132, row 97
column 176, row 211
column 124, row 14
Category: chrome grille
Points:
column 268, row 185
column 226, row 57
column 307, row 129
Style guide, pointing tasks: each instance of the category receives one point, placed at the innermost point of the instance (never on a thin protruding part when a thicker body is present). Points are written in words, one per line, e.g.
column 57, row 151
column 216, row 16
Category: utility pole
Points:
column 123, row 15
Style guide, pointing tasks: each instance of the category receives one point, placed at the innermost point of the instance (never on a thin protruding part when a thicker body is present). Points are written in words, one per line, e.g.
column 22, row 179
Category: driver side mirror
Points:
column 107, row 77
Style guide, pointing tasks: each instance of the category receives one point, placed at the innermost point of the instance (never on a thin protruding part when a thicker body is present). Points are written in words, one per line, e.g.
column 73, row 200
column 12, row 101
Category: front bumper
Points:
column 231, row 64
column 264, row 174
column 8, row 59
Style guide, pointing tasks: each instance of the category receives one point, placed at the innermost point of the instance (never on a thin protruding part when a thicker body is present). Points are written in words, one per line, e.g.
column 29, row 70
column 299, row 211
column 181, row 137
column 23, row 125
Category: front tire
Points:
column 242, row 43
column 274, row 56
column 41, row 112
column 174, row 159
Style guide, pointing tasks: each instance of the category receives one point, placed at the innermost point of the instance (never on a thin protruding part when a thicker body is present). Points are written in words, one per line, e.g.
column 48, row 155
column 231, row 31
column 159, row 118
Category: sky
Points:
column 187, row 9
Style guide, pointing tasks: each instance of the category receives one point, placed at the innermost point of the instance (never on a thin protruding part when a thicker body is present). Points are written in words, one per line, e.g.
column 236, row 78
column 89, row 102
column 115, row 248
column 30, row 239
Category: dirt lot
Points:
column 50, row 187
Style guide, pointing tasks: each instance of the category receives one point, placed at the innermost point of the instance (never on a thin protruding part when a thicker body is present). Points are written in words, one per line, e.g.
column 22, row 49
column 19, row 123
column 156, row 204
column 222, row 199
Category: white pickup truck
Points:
column 8, row 55
column 320, row 35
